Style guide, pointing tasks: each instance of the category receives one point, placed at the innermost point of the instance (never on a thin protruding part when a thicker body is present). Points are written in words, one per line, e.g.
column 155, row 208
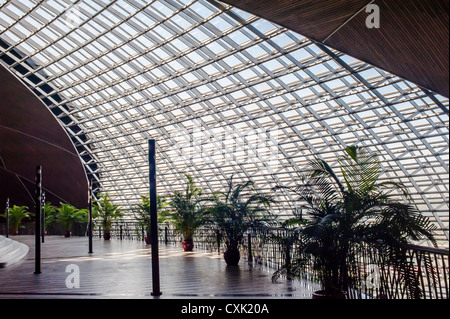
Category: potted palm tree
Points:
column 16, row 215
column 49, row 212
column 235, row 211
column 187, row 213
column 360, row 210
column 142, row 214
column 68, row 215
column 107, row 212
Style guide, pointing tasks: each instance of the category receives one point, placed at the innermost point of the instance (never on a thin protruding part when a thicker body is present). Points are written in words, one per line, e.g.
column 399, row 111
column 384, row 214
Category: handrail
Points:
column 434, row 250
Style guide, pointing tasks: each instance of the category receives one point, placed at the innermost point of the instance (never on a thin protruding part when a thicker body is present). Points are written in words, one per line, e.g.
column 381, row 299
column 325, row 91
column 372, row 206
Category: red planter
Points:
column 106, row 236
column 67, row 234
column 148, row 240
column 188, row 245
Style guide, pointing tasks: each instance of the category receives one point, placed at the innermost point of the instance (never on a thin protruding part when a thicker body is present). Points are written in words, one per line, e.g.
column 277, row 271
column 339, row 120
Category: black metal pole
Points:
column 37, row 267
column 153, row 218
column 90, row 218
column 7, row 217
column 43, row 217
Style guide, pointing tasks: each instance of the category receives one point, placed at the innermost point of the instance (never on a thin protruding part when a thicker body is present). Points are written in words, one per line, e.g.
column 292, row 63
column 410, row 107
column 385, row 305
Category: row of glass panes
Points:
column 301, row 122
column 125, row 83
column 210, row 69
column 53, row 58
column 130, row 110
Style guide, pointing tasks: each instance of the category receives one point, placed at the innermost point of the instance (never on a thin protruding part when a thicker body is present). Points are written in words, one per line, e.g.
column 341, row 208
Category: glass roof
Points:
column 223, row 93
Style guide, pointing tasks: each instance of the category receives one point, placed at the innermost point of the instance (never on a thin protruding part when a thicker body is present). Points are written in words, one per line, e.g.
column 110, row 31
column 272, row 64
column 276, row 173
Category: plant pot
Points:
column 323, row 294
column 67, row 234
column 15, row 232
column 188, row 245
column 107, row 236
column 232, row 257
column 148, row 240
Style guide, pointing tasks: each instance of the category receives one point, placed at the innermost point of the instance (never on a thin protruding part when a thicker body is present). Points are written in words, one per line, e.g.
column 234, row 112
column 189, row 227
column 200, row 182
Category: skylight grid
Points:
column 209, row 83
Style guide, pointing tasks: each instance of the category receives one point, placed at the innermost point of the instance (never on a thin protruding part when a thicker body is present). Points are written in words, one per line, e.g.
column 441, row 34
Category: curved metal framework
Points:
column 224, row 93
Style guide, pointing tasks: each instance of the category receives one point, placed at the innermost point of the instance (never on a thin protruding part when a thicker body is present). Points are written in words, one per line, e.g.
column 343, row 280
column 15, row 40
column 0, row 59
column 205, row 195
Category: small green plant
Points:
column 107, row 212
column 186, row 213
column 235, row 211
column 68, row 215
column 50, row 213
column 16, row 215
column 142, row 212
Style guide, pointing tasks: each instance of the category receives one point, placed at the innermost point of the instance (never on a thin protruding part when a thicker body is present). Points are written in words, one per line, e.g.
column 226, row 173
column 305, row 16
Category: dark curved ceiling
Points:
column 29, row 136
column 412, row 41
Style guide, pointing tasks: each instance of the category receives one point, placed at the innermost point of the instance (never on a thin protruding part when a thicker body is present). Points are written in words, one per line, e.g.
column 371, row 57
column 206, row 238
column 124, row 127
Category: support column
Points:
column 90, row 218
column 37, row 265
column 154, row 218
column 43, row 217
column 7, row 217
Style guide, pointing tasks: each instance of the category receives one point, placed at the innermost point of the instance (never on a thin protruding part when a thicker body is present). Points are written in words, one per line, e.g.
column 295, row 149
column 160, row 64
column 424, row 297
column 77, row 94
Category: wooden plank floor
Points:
column 122, row 269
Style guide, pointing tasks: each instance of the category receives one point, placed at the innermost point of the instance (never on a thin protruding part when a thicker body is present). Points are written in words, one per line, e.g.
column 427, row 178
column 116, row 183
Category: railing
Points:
column 427, row 268
column 423, row 275
column 205, row 238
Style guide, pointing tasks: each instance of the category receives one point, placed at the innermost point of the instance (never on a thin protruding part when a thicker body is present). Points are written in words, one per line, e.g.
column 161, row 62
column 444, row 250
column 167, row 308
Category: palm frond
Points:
column 320, row 168
column 360, row 169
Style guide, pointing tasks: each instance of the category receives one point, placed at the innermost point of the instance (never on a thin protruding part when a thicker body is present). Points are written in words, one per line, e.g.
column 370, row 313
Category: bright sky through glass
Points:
column 209, row 82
